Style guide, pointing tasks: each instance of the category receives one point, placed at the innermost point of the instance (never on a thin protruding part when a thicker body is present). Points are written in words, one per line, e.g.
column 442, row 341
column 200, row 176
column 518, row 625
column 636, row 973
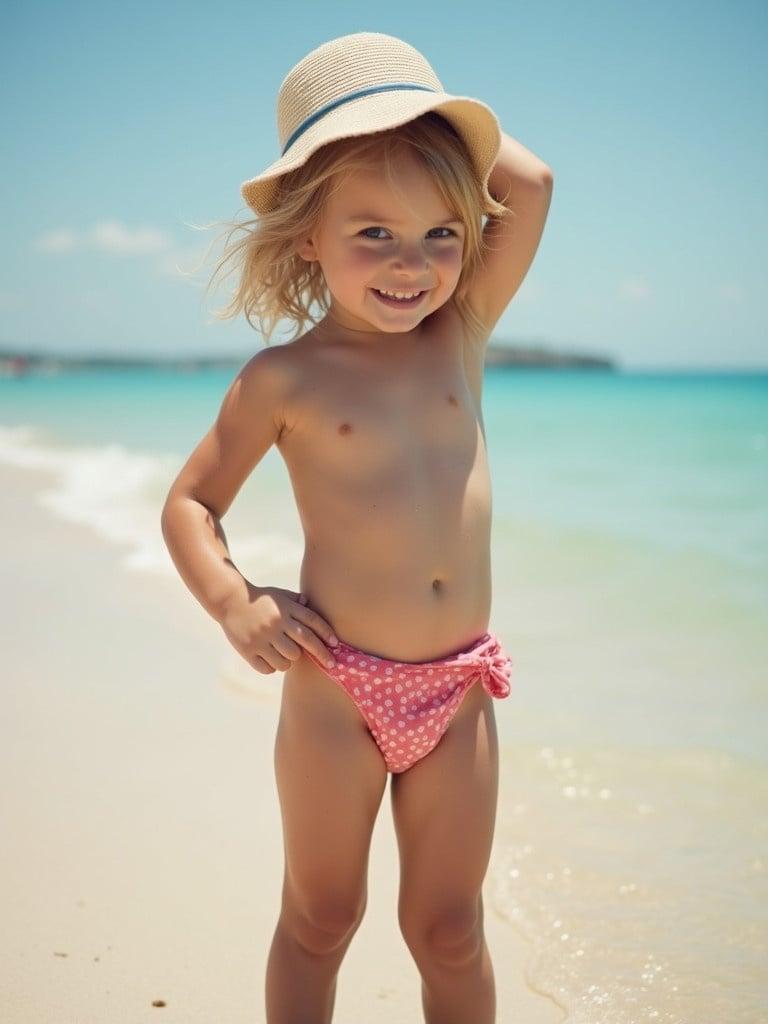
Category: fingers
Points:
column 316, row 623
column 285, row 650
column 261, row 665
column 306, row 634
column 297, row 628
column 273, row 659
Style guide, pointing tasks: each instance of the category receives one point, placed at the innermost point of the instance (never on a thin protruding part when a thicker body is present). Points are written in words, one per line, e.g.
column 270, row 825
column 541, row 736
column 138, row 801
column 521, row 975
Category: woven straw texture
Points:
column 359, row 61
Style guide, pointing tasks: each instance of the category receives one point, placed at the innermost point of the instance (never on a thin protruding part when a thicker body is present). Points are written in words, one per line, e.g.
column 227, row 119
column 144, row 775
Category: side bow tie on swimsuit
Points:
column 408, row 705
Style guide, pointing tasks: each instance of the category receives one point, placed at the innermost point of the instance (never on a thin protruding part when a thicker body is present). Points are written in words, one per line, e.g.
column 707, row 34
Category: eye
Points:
column 366, row 230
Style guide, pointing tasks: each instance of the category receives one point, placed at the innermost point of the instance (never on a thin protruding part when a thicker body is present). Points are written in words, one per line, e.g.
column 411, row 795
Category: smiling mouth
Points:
column 390, row 300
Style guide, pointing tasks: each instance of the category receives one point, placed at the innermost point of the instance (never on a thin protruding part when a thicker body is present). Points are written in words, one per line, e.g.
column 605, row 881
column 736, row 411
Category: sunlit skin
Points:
column 384, row 442
column 377, row 414
column 407, row 246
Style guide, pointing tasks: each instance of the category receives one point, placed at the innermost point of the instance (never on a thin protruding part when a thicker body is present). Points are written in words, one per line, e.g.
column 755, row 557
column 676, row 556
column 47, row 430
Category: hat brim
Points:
column 472, row 119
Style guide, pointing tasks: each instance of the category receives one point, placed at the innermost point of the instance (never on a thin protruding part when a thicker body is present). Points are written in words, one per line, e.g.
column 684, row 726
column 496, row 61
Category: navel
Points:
column 453, row 399
column 437, row 584
column 345, row 428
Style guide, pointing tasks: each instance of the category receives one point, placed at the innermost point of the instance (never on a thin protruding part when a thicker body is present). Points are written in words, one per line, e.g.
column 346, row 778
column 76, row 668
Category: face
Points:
column 397, row 238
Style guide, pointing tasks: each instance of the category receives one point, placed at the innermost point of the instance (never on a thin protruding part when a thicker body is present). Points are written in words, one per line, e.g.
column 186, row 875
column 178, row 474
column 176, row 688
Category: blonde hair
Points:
column 275, row 283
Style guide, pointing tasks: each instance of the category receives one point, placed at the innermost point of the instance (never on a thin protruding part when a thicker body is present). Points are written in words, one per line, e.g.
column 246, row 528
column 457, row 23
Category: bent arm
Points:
column 516, row 167
column 249, row 422
column 198, row 547
column 522, row 183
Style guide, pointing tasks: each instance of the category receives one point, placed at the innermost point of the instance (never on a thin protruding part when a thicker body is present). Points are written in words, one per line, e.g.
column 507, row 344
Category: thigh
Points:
column 330, row 779
column 444, row 811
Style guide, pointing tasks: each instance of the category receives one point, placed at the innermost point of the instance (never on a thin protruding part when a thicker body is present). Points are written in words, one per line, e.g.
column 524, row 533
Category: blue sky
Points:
column 123, row 124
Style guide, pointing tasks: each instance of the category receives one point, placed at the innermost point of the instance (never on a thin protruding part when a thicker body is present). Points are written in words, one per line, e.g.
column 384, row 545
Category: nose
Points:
column 410, row 260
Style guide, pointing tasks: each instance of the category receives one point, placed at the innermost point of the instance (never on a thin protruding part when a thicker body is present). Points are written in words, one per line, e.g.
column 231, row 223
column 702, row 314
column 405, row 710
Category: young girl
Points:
column 373, row 212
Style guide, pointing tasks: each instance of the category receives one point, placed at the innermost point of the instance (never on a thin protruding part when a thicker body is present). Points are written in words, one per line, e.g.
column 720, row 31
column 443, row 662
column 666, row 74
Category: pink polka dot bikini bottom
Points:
column 408, row 705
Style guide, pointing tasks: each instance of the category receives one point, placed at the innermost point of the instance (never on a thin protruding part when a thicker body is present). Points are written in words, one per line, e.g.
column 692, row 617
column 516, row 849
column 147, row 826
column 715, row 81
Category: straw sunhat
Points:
column 363, row 83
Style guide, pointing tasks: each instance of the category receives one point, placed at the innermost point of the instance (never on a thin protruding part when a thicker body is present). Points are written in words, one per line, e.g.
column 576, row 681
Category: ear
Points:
column 307, row 250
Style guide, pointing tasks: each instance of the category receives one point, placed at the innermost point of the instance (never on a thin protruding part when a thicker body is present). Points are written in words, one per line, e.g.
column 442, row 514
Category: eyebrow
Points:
column 372, row 218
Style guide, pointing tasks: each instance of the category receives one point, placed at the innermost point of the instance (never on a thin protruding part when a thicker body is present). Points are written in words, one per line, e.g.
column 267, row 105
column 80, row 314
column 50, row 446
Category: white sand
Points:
column 142, row 854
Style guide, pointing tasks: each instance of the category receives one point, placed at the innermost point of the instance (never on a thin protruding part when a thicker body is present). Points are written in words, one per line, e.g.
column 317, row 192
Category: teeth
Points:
column 399, row 295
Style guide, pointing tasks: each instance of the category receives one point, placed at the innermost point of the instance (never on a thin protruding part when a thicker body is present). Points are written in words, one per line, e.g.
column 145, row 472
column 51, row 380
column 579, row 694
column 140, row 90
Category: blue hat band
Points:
column 389, row 87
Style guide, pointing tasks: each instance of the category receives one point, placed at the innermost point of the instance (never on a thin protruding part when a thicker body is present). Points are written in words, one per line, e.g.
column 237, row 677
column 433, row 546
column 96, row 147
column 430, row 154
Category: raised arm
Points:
column 522, row 183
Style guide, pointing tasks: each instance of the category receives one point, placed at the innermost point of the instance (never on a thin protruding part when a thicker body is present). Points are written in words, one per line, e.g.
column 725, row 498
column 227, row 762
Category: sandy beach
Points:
column 142, row 860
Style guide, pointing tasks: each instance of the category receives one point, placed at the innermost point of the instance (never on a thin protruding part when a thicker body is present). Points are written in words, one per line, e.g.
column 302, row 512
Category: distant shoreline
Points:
column 14, row 362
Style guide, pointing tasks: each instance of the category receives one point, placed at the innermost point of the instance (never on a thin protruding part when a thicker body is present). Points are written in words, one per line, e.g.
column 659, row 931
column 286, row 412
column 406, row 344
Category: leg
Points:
column 330, row 780
column 444, row 810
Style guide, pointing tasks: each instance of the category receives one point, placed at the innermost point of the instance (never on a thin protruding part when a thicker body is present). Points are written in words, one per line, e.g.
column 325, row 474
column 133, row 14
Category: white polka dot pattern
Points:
column 407, row 718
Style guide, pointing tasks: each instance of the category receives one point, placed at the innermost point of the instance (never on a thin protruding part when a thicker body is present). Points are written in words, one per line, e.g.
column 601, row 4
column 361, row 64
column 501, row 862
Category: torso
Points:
column 385, row 447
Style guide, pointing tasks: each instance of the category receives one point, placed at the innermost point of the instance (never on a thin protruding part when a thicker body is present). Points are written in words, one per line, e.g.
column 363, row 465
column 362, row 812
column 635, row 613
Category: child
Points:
column 374, row 212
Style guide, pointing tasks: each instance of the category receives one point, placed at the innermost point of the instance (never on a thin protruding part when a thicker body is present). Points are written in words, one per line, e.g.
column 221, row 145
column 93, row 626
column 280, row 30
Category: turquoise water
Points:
column 630, row 555
column 678, row 459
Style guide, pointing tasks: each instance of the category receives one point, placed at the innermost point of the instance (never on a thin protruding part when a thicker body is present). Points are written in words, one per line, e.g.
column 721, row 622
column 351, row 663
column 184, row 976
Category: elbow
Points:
column 164, row 519
column 167, row 511
column 547, row 176
column 176, row 497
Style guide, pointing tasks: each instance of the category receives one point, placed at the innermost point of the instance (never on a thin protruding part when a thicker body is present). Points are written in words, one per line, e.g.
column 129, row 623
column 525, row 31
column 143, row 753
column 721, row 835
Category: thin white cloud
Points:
column 62, row 240
column 110, row 236
column 636, row 289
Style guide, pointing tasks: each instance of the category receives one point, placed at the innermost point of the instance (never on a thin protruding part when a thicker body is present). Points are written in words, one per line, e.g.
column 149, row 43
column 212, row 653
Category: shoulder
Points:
column 269, row 361
column 274, row 368
column 279, row 377
column 262, row 386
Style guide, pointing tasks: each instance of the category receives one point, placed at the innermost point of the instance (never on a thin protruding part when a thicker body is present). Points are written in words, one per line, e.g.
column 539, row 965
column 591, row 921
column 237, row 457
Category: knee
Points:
column 322, row 924
column 451, row 936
